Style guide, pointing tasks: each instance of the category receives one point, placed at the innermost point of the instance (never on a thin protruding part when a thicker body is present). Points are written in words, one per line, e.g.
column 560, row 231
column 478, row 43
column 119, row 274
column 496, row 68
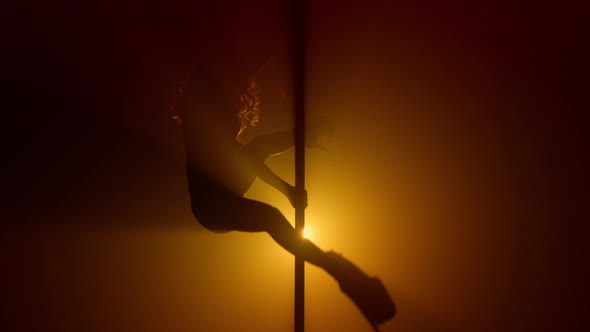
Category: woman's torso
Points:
column 214, row 156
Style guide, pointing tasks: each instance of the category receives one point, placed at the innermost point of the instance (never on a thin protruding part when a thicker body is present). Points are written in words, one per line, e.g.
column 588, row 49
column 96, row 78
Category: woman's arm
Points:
column 264, row 146
column 267, row 175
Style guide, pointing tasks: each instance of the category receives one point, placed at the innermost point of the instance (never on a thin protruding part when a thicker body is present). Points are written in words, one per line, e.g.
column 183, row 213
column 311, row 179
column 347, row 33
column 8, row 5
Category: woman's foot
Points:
column 368, row 293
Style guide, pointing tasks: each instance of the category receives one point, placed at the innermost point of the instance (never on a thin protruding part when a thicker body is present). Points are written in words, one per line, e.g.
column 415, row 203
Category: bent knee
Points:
column 208, row 219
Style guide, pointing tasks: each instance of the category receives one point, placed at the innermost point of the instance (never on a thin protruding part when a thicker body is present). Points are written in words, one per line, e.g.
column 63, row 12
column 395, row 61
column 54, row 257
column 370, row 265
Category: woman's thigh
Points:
column 229, row 212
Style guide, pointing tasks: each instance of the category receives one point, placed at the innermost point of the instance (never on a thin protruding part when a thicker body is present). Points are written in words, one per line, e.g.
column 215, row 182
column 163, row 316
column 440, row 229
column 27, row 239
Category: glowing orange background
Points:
column 449, row 175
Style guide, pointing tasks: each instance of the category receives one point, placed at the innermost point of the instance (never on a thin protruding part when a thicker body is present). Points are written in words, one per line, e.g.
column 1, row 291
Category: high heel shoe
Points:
column 368, row 293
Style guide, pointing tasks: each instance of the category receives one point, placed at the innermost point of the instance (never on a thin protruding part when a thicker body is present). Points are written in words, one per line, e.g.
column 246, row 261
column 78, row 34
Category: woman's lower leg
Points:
column 288, row 238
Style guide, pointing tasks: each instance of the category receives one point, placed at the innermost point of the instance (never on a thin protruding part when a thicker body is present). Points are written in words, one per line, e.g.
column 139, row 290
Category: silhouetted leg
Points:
column 241, row 214
column 368, row 293
column 252, row 216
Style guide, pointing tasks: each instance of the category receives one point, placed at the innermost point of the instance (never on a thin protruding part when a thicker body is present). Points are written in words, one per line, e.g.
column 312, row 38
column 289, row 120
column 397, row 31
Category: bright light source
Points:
column 307, row 232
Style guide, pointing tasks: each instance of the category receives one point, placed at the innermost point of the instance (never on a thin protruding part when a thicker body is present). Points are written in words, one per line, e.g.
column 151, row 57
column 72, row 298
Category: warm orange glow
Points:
column 307, row 232
column 452, row 171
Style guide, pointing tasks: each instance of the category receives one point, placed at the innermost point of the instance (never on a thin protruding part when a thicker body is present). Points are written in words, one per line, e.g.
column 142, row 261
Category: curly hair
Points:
column 249, row 112
column 248, row 109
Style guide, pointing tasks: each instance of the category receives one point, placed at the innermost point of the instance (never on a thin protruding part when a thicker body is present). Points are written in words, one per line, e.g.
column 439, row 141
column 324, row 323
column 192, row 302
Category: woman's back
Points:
column 210, row 125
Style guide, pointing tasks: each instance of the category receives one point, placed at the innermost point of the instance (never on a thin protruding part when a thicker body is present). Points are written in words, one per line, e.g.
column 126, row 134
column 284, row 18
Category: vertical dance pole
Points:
column 298, row 33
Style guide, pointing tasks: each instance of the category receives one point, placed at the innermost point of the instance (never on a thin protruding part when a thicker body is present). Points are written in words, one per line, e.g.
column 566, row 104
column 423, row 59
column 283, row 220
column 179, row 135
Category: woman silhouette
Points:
column 219, row 102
